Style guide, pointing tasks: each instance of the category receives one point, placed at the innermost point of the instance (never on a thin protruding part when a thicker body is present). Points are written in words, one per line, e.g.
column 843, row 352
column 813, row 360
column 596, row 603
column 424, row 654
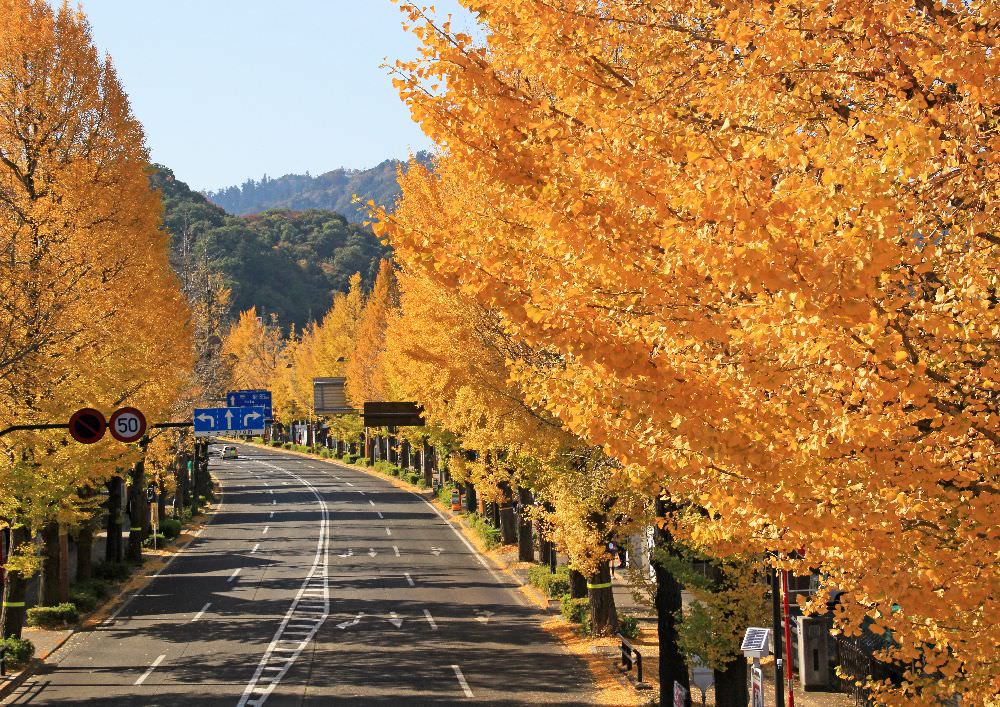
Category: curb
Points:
column 119, row 602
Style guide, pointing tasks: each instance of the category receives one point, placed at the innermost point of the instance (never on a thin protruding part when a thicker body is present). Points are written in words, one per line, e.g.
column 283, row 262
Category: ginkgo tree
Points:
column 763, row 238
column 90, row 312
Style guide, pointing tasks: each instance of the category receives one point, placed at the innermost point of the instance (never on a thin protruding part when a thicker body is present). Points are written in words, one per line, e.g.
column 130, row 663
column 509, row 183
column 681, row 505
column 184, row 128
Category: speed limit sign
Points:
column 127, row 424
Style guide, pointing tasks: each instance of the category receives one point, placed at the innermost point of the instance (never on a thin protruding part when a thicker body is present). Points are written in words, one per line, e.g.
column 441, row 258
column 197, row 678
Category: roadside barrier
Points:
column 631, row 656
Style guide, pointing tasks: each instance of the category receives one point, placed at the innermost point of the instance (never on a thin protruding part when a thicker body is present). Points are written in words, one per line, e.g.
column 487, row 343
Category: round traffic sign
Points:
column 127, row 424
column 87, row 425
column 151, row 493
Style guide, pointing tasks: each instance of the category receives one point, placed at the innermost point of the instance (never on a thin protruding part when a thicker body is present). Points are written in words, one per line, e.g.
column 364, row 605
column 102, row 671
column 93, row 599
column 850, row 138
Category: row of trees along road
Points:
column 747, row 253
column 90, row 311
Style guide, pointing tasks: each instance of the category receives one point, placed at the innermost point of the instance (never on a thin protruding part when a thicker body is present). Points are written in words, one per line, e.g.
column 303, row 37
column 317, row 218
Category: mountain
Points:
column 333, row 191
column 284, row 262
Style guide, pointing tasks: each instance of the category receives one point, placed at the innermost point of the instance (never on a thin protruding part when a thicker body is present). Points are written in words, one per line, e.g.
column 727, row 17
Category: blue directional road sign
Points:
column 234, row 420
column 250, row 398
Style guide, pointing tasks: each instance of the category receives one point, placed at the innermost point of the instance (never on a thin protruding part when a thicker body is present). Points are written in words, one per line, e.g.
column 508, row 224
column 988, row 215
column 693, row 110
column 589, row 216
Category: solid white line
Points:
column 321, row 561
column 266, row 528
column 380, row 515
column 202, row 612
column 395, row 550
column 255, row 548
column 410, row 580
column 388, row 532
column 235, row 574
column 349, row 483
column 461, row 681
column 430, row 619
column 149, row 670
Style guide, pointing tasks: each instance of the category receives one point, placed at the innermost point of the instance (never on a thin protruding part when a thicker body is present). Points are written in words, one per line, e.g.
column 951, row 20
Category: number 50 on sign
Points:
column 127, row 425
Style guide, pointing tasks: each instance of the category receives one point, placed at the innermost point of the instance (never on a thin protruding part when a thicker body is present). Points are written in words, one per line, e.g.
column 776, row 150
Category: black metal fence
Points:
column 858, row 666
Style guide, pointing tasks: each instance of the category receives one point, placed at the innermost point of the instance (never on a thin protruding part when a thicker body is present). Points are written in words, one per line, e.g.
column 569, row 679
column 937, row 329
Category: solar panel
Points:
column 756, row 642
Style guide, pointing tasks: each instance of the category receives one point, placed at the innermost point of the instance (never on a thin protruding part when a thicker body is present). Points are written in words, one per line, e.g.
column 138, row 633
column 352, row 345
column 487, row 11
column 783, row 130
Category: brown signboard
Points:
column 330, row 398
column 393, row 415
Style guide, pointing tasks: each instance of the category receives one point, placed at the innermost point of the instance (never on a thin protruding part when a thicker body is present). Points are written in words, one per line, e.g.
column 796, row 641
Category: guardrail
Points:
column 632, row 657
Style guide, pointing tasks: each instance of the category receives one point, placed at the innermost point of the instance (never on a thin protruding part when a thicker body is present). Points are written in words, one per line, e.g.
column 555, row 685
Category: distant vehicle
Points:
column 229, row 452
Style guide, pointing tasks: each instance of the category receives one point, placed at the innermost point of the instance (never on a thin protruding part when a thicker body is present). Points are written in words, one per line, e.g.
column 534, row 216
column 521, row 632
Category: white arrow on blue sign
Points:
column 220, row 421
column 250, row 398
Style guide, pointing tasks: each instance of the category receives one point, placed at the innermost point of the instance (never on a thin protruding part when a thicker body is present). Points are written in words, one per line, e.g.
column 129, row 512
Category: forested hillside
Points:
column 333, row 191
column 283, row 262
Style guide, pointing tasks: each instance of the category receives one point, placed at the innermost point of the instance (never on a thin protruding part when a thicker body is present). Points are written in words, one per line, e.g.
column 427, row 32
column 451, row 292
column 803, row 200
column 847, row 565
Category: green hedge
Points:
column 275, row 443
column 170, row 527
column 350, row 458
column 100, row 588
column 112, row 571
column 444, row 493
column 17, row 651
column 555, row 584
column 574, row 610
column 487, row 533
column 287, row 445
column 628, row 626
column 53, row 616
column 159, row 539
column 83, row 601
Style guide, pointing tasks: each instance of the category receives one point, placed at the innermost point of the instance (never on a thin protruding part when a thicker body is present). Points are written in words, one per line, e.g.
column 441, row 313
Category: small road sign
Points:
column 87, row 425
column 127, row 425
column 330, row 397
column 151, row 493
column 222, row 421
column 393, row 415
column 250, row 398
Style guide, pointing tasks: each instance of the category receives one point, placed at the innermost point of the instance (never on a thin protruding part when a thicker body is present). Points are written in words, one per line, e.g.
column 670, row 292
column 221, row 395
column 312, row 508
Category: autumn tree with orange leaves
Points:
column 764, row 239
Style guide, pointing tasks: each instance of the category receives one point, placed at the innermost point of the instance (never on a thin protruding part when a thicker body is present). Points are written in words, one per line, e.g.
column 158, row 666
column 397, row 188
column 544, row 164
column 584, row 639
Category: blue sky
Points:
column 233, row 89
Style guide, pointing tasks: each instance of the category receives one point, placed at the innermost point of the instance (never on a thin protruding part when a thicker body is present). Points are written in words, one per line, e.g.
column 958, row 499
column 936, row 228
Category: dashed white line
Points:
column 395, row 550
column 461, row 681
column 430, row 619
column 349, row 483
column 371, row 501
column 149, row 670
column 388, row 532
column 255, row 548
column 264, row 531
column 202, row 612
column 380, row 515
column 409, row 580
column 271, row 514
column 235, row 574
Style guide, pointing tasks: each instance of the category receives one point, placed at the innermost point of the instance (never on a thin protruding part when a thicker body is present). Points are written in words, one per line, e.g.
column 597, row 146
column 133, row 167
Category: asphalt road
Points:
column 316, row 584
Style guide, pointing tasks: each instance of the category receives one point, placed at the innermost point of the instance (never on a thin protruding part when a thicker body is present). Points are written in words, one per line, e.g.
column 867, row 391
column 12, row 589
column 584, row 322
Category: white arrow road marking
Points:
column 371, row 552
column 484, row 616
column 234, row 575
column 149, row 670
column 409, row 580
column 349, row 553
column 354, row 622
column 461, row 681
column 255, row 548
column 436, row 551
column 395, row 620
column 395, row 550
column 202, row 612
column 430, row 619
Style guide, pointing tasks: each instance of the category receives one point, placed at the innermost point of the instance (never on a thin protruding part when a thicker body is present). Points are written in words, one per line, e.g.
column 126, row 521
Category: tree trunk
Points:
column 426, row 456
column 577, row 585
column 603, row 615
column 731, row 684
column 404, row 455
column 470, row 497
column 181, row 495
column 161, row 500
column 48, row 582
column 85, row 551
column 525, row 536
column 493, row 511
column 113, row 543
column 508, row 524
column 673, row 666
column 12, row 610
column 63, row 563
column 136, row 502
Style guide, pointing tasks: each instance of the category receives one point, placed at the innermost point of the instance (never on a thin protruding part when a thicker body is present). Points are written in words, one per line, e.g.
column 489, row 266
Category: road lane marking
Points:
column 349, row 483
column 409, row 580
column 388, row 532
column 354, row 622
column 271, row 491
column 308, row 611
column 430, row 619
column 255, row 548
column 395, row 620
column 271, row 514
column 461, row 681
column 371, row 552
column 395, row 550
column 264, row 531
column 149, row 670
column 234, row 575
column 274, row 502
column 371, row 501
column 202, row 612
column 380, row 515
